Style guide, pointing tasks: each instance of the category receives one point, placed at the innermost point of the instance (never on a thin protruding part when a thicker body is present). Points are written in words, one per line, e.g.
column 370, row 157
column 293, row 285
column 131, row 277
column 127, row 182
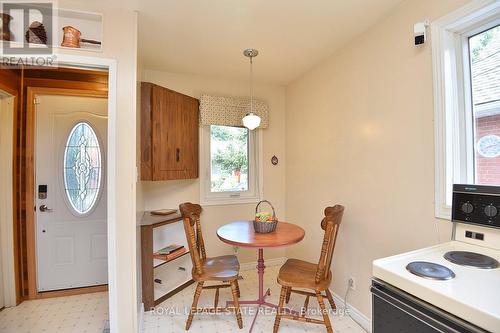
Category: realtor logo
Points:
column 26, row 32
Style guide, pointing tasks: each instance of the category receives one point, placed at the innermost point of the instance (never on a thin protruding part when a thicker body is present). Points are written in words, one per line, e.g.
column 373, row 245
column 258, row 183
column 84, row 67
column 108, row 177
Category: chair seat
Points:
column 223, row 268
column 301, row 274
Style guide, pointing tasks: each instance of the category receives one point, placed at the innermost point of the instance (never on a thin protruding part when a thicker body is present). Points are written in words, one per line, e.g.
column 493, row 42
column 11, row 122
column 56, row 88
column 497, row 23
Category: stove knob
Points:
column 490, row 210
column 467, row 208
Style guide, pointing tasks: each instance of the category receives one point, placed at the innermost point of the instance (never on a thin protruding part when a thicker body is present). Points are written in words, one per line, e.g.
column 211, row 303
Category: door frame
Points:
column 8, row 250
column 123, row 301
column 12, row 85
column 30, row 188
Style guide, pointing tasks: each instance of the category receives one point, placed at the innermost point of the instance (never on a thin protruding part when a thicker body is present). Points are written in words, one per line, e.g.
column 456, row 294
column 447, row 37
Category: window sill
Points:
column 229, row 201
column 443, row 213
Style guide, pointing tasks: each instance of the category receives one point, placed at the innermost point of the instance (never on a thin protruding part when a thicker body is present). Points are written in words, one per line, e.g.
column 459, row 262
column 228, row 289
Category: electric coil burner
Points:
column 430, row 270
column 471, row 259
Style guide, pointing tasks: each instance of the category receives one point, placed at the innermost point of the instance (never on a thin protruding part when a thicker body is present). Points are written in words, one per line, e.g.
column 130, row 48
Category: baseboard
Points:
column 268, row 262
column 140, row 319
column 356, row 315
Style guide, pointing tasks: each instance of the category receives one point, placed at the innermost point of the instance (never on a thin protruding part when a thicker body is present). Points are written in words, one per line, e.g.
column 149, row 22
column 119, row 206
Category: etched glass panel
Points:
column 82, row 168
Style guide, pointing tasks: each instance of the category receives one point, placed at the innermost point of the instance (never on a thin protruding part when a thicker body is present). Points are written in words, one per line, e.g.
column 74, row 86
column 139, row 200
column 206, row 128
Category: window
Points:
column 484, row 54
column 229, row 162
column 466, row 59
column 82, row 168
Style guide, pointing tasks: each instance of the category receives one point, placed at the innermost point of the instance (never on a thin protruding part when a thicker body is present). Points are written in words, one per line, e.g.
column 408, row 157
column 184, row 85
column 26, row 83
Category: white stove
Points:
column 465, row 300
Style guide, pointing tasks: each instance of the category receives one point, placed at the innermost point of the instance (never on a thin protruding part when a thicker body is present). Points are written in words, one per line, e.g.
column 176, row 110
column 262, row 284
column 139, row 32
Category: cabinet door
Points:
column 190, row 132
column 167, row 119
column 175, row 135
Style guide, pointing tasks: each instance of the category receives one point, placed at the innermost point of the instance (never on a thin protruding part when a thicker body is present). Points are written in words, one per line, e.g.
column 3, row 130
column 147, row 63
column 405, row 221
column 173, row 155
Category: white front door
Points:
column 70, row 190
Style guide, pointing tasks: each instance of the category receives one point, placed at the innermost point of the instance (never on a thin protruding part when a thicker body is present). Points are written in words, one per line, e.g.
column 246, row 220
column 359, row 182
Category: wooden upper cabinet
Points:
column 169, row 134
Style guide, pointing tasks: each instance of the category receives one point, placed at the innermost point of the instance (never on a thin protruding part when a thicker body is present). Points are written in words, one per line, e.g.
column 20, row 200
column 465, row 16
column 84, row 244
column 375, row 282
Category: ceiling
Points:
column 207, row 37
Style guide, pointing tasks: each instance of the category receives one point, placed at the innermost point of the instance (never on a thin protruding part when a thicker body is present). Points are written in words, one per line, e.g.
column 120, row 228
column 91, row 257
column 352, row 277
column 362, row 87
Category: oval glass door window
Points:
column 82, row 168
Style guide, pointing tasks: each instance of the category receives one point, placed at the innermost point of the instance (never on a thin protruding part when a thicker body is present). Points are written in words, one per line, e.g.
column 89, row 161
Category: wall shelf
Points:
column 90, row 25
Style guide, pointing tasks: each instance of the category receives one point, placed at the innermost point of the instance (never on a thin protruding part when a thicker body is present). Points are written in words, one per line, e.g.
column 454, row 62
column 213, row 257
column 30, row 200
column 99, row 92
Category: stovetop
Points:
column 463, row 275
column 468, row 295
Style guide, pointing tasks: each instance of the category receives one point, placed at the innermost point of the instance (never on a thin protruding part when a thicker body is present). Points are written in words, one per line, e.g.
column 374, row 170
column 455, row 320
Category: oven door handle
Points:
column 378, row 290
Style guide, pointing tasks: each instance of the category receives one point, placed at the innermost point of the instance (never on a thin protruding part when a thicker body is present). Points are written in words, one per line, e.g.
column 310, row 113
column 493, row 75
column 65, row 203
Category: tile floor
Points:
column 72, row 314
column 89, row 313
column 170, row 315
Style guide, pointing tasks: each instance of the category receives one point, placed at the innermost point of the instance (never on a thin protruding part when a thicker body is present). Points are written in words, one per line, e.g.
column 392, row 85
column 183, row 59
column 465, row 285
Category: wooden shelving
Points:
column 174, row 274
column 159, row 262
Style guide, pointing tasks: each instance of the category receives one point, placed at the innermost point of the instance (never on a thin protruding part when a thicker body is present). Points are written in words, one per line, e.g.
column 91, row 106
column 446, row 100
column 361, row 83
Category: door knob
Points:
column 44, row 208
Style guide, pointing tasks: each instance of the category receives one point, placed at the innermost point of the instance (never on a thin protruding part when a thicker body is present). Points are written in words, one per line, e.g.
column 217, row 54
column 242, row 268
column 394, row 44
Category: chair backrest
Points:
column 192, row 227
column 330, row 223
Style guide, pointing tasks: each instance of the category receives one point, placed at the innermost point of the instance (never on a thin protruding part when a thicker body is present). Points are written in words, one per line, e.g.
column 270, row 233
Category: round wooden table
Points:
column 242, row 234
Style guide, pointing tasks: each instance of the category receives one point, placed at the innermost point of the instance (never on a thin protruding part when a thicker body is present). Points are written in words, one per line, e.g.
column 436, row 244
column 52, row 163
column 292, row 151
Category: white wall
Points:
column 359, row 132
column 169, row 194
column 120, row 43
column 139, row 193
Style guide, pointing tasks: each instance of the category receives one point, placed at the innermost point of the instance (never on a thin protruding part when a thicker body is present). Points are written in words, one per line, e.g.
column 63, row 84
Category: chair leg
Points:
column 288, row 293
column 238, row 289
column 284, row 291
column 330, row 299
column 323, row 312
column 234, row 286
column 197, row 294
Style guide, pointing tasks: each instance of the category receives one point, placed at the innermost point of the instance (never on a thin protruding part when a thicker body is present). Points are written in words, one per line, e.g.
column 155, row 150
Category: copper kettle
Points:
column 71, row 38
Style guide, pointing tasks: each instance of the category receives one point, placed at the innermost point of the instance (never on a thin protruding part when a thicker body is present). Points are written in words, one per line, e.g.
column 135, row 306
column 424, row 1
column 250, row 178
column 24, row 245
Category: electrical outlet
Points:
column 352, row 283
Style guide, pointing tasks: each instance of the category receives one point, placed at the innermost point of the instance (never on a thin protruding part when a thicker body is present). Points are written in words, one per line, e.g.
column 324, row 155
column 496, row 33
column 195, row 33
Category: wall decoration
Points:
column 36, row 33
column 71, row 38
column 5, row 30
column 274, row 160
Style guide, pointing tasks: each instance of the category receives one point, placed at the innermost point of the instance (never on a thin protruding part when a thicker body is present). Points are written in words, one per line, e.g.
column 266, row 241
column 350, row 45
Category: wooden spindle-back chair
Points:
column 222, row 269
column 317, row 277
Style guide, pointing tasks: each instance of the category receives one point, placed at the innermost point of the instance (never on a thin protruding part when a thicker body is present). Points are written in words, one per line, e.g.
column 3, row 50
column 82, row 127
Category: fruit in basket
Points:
column 264, row 217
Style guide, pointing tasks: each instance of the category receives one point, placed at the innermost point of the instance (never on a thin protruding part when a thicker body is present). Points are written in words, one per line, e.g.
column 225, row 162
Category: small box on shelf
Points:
column 160, row 259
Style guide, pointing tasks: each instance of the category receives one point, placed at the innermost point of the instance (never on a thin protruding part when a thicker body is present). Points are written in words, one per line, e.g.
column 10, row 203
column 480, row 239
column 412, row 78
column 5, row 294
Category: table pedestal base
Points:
column 261, row 301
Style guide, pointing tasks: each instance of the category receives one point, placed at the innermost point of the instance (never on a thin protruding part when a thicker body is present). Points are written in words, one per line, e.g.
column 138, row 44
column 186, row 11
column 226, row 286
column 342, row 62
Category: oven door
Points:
column 397, row 311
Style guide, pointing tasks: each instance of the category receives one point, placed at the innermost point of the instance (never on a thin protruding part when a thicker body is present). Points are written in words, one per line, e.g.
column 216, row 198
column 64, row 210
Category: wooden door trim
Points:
column 30, row 182
column 11, row 83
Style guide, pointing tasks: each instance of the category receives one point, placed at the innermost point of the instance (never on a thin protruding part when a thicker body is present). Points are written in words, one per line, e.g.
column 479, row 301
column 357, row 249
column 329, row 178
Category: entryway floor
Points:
column 71, row 314
column 170, row 316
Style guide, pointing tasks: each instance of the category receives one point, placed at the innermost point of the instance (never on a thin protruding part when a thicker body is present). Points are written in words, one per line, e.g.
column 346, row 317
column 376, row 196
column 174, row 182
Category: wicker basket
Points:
column 265, row 227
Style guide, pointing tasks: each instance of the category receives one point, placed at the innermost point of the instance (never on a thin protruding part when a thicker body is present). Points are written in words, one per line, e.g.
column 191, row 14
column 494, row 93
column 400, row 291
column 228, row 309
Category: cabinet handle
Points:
column 177, row 154
column 182, row 269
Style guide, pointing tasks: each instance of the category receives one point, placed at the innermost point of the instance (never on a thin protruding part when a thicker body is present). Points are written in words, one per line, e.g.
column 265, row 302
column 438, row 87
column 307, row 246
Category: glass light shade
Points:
column 251, row 121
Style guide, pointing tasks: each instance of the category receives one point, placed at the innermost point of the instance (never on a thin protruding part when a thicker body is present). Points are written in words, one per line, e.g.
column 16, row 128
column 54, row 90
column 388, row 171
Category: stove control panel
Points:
column 476, row 204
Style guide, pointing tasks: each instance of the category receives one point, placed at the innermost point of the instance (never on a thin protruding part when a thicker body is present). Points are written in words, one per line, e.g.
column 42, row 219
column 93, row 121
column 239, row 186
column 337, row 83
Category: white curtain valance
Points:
column 229, row 111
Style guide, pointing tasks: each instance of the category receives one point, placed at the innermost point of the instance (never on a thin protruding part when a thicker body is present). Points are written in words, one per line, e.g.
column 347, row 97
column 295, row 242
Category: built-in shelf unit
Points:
column 89, row 24
column 162, row 278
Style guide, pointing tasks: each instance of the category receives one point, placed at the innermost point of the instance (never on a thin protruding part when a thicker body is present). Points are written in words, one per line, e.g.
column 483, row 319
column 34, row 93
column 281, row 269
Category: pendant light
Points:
column 251, row 120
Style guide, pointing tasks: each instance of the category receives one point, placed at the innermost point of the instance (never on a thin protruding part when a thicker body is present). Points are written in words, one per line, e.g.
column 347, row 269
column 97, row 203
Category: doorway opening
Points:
column 58, row 162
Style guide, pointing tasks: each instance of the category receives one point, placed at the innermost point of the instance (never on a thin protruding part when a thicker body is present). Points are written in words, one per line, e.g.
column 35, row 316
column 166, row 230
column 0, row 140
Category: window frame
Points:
column 254, row 193
column 453, row 114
